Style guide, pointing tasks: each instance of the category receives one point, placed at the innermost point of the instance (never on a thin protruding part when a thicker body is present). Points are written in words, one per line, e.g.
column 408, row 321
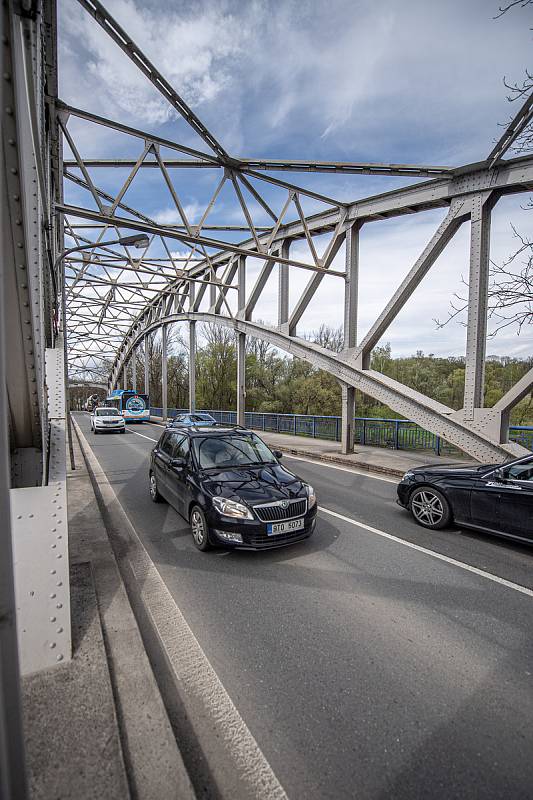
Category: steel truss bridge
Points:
column 71, row 286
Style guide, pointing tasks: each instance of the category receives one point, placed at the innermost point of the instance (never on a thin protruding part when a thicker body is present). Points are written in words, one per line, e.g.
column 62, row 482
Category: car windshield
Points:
column 107, row 412
column 221, row 452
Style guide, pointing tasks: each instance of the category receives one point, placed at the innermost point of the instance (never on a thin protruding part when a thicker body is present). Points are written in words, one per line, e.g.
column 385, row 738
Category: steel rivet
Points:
column 59, row 605
column 60, row 657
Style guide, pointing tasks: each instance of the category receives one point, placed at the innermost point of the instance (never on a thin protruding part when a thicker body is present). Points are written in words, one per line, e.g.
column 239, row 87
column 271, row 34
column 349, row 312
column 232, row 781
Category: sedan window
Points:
column 521, row 472
column 232, row 451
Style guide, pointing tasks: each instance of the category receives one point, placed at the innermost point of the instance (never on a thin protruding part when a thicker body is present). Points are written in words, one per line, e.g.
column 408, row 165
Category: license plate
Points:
column 284, row 527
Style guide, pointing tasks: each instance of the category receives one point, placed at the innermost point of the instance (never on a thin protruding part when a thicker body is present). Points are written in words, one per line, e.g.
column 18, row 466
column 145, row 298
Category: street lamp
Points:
column 139, row 240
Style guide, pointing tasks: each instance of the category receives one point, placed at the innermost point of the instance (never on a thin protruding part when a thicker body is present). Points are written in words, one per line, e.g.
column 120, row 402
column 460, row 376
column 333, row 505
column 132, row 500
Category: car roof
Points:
column 106, row 408
column 220, row 430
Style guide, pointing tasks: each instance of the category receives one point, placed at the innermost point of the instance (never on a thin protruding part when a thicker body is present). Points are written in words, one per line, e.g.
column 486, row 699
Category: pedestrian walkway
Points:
column 376, row 459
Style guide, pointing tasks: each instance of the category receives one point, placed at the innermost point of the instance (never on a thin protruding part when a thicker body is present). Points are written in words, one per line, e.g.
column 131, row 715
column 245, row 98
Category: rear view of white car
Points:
column 107, row 419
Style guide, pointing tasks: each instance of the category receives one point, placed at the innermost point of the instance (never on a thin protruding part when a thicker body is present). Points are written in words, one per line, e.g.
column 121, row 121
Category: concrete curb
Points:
column 155, row 766
column 232, row 762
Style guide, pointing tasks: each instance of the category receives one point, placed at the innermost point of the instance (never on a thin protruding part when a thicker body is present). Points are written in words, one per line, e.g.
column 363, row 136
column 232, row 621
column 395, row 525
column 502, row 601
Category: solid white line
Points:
column 343, row 469
column 488, row 575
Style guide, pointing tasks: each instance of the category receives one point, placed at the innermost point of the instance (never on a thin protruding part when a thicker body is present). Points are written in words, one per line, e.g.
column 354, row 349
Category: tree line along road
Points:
column 363, row 665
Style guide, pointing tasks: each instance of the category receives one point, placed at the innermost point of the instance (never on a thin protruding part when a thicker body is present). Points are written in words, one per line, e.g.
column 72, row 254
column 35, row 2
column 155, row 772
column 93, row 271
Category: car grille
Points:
column 111, row 421
column 273, row 512
column 264, row 541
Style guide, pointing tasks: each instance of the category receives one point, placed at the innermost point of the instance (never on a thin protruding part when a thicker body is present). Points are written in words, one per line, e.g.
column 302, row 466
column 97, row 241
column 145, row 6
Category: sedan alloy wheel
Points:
column 430, row 508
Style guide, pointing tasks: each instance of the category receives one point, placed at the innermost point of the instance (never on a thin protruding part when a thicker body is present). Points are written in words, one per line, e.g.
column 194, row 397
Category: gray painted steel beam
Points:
column 283, row 286
column 192, row 365
column 347, row 418
column 134, row 371
column 517, row 393
column 164, row 371
column 241, row 378
column 478, row 283
column 351, row 286
column 241, row 346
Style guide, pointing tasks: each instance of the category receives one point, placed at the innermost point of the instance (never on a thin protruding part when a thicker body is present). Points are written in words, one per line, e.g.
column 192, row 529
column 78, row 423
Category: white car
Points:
column 107, row 419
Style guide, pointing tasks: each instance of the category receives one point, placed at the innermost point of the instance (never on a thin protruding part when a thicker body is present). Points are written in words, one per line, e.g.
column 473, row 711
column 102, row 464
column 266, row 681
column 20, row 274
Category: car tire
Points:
column 95, row 431
column 199, row 529
column 154, row 491
column 124, row 431
column 430, row 508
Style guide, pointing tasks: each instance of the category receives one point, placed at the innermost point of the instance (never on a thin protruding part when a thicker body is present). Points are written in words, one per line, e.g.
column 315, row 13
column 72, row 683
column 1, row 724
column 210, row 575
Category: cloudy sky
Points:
column 415, row 81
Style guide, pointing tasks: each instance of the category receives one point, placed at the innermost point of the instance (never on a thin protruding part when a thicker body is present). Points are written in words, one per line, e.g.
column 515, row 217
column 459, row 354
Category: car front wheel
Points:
column 154, row 492
column 199, row 529
column 430, row 508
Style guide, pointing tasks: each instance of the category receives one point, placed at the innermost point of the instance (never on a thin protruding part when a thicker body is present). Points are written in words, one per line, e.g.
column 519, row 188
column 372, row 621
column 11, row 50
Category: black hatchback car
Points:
column 495, row 498
column 232, row 488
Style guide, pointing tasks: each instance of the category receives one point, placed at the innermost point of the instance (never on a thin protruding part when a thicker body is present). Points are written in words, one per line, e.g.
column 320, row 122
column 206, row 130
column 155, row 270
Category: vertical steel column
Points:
column 12, row 761
column 212, row 290
column 192, row 365
column 134, row 370
column 283, row 285
column 347, row 418
column 164, row 372
column 478, row 281
column 125, row 377
column 351, row 287
column 146, row 366
column 241, row 344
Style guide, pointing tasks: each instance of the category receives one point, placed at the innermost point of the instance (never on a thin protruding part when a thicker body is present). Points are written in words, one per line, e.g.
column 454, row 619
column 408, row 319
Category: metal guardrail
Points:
column 396, row 434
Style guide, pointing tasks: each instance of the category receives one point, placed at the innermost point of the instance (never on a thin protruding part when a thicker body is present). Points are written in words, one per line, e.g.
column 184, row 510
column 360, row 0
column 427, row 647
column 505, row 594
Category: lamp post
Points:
column 138, row 240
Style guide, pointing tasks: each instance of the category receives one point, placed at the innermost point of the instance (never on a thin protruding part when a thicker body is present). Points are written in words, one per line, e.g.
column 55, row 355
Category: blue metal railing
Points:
column 397, row 434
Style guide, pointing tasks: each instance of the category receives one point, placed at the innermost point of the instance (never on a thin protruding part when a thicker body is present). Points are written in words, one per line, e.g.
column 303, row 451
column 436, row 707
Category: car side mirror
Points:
column 278, row 454
column 177, row 463
column 499, row 474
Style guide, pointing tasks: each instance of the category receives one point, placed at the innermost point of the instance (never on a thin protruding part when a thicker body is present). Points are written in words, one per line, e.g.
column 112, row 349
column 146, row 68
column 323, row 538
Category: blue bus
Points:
column 133, row 406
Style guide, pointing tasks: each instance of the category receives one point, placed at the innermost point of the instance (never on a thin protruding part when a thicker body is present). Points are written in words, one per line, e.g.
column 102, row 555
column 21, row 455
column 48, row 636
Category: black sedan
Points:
column 492, row 498
column 232, row 488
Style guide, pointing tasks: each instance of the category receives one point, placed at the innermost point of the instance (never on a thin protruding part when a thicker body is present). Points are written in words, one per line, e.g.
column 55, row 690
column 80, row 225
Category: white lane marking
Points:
column 344, row 469
column 488, row 575
column 144, row 436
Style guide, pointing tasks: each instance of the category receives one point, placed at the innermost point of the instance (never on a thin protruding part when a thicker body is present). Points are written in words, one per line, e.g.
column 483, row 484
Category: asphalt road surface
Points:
column 363, row 666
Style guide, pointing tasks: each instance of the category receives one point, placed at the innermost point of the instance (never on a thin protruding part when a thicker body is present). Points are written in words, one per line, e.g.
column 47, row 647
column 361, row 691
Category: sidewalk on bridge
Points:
column 96, row 726
column 373, row 459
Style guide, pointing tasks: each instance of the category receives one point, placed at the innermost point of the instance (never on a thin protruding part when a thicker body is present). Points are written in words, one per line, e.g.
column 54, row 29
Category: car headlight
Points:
column 408, row 476
column 311, row 496
column 230, row 508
